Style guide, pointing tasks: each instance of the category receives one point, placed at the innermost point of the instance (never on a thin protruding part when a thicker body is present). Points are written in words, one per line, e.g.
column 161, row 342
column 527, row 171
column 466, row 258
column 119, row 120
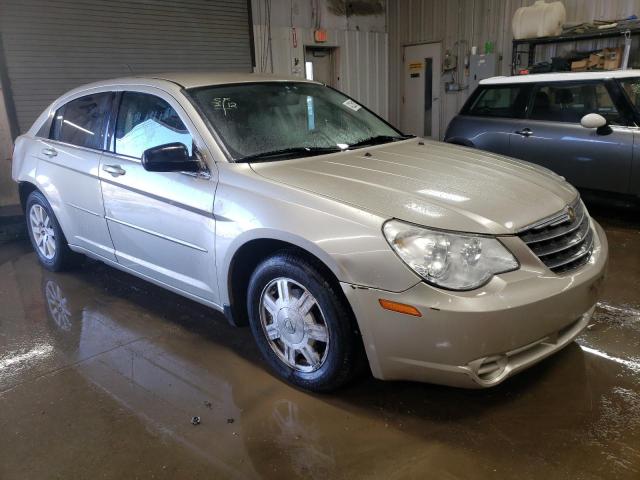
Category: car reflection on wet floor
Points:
column 101, row 373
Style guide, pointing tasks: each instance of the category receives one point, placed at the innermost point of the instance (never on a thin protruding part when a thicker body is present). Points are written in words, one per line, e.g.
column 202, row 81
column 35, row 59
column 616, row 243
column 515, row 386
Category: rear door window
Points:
column 497, row 101
column 83, row 121
column 146, row 121
column 568, row 103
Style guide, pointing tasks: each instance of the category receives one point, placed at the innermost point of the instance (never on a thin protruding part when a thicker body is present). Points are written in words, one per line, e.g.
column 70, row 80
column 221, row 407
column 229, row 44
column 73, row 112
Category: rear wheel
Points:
column 46, row 235
column 302, row 325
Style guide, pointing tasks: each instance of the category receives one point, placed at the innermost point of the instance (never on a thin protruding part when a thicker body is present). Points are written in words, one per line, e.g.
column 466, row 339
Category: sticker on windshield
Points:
column 352, row 105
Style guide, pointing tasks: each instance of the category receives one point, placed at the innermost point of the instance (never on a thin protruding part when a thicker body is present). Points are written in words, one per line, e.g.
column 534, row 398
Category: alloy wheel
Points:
column 294, row 325
column 42, row 231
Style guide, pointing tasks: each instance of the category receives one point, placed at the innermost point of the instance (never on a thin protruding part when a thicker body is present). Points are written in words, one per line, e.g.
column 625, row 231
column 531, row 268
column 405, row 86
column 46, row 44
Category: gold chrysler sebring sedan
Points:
column 294, row 209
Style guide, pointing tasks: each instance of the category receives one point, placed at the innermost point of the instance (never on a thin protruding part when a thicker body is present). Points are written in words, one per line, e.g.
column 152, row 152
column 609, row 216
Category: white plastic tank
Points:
column 539, row 20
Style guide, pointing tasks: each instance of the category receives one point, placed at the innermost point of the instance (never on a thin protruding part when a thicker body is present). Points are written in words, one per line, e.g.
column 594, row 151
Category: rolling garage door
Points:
column 51, row 46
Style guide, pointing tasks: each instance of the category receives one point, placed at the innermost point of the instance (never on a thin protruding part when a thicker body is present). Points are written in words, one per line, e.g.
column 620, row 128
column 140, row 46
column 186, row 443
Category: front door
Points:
column 553, row 137
column 162, row 224
column 420, row 99
column 68, row 170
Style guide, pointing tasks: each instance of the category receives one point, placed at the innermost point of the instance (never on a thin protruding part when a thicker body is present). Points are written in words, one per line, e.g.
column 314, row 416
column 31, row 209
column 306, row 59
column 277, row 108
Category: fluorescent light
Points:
column 78, row 127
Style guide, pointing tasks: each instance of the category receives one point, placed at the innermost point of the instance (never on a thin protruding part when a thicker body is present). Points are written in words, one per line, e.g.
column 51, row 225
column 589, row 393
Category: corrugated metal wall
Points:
column 51, row 46
column 476, row 22
column 362, row 47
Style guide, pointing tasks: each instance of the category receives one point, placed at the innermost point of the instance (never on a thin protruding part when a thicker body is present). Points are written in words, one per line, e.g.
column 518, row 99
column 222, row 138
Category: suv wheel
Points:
column 46, row 235
column 302, row 325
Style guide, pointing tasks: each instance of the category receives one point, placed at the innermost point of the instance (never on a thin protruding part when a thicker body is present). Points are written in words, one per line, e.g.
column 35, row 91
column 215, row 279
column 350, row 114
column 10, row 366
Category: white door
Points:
column 320, row 65
column 420, row 98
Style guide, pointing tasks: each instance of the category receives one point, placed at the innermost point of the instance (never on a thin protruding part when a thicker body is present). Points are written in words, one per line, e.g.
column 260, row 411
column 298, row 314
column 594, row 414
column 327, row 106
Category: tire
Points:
column 46, row 236
column 335, row 361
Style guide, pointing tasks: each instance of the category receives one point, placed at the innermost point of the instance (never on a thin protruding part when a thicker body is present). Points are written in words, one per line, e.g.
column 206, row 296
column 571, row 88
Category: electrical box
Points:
column 481, row 67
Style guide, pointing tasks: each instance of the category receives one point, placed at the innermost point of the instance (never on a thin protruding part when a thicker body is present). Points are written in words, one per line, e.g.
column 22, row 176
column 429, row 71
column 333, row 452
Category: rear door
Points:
column 162, row 224
column 68, row 170
column 553, row 137
column 486, row 121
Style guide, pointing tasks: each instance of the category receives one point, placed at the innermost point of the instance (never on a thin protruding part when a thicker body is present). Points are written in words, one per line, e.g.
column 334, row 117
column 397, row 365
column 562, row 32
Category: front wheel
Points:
column 302, row 325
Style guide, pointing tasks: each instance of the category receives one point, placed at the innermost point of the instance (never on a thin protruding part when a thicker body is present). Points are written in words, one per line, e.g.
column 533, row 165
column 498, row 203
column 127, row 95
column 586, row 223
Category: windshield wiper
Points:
column 379, row 139
column 285, row 153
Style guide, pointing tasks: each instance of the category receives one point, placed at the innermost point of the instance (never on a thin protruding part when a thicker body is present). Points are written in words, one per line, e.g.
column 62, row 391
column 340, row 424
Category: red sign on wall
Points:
column 320, row 36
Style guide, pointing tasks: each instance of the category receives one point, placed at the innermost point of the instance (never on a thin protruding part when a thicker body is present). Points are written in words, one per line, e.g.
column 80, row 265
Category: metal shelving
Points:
column 532, row 43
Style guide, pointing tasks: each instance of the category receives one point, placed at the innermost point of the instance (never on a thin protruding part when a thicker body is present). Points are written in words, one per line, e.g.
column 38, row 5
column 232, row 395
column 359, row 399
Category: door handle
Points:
column 49, row 152
column 114, row 170
column 525, row 132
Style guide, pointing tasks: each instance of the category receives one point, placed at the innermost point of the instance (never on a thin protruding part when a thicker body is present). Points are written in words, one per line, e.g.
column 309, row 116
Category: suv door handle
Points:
column 114, row 170
column 525, row 132
column 49, row 152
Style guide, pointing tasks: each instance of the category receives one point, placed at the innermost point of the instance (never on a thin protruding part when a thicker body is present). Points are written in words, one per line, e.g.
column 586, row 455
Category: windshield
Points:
column 291, row 119
column 632, row 88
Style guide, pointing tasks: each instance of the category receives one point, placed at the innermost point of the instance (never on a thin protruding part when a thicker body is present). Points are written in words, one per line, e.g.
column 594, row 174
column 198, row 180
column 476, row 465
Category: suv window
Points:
column 146, row 121
column 570, row 102
column 82, row 121
column 499, row 101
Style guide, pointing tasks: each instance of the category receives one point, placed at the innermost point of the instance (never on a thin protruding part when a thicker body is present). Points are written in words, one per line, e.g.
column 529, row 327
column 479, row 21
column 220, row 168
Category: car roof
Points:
column 561, row 77
column 201, row 79
column 174, row 80
column 183, row 80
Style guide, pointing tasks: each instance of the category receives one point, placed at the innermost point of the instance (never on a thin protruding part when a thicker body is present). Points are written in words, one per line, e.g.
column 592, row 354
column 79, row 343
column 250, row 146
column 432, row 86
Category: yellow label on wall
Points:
column 416, row 66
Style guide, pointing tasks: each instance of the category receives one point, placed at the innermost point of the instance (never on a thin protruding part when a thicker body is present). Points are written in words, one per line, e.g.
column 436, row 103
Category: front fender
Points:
column 288, row 237
column 348, row 240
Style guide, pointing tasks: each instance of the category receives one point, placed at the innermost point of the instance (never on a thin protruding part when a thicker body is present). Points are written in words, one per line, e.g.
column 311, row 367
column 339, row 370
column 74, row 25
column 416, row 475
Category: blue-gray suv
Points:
column 583, row 126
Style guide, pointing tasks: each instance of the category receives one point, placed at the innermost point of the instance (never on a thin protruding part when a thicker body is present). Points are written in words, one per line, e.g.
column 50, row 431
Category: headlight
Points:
column 449, row 260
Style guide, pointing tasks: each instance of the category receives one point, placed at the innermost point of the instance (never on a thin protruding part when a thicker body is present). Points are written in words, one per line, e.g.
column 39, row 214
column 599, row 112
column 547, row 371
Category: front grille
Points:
column 563, row 242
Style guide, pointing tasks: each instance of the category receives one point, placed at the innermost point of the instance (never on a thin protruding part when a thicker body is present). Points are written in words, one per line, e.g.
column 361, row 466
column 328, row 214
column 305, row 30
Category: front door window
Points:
column 146, row 121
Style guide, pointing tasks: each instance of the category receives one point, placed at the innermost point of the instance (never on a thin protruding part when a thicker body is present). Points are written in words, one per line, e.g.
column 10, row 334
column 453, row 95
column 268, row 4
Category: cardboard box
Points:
column 579, row 66
column 612, row 58
column 595, row 61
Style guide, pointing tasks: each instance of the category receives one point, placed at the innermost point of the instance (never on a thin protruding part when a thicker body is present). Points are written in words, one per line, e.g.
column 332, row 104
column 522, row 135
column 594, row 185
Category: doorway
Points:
column 320, row 65
column 421, row 95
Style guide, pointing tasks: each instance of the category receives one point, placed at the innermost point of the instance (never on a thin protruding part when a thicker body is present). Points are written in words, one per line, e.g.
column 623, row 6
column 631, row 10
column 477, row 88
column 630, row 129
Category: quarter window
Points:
column 497, row 102
column 146, row 121
column 569, row 103
column 82, row 121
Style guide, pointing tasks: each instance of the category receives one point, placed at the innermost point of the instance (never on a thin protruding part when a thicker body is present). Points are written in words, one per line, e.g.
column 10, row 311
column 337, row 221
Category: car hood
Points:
column 432, row 184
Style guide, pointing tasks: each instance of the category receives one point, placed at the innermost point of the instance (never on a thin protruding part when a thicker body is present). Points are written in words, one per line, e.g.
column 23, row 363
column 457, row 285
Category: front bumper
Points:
column 479, row 338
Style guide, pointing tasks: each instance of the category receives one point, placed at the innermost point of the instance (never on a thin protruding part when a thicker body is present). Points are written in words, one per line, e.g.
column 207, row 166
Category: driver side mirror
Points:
column 170, row 157
column 595, row 120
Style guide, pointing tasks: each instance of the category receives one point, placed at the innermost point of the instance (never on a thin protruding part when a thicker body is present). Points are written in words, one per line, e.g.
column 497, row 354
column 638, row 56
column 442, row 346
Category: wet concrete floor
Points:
column 101, row 374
